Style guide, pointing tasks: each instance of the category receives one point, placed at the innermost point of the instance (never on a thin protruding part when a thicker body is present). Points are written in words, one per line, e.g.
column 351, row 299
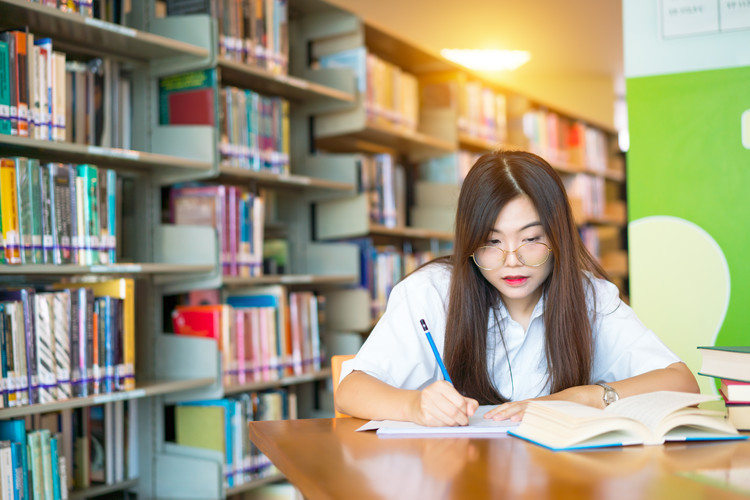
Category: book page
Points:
column 653, row 407
column 478, row 425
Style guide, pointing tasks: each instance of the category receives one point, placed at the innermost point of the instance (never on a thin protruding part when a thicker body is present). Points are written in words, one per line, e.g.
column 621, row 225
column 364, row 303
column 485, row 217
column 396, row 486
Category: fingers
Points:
column 507, row 411
column 441, row 405
column 471, row 406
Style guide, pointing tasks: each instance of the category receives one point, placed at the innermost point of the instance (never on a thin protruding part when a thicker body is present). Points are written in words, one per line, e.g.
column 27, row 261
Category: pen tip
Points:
column 424, row 325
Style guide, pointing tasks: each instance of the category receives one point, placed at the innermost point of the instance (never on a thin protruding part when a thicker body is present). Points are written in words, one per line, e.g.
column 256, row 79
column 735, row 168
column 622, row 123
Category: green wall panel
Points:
column 687, row 162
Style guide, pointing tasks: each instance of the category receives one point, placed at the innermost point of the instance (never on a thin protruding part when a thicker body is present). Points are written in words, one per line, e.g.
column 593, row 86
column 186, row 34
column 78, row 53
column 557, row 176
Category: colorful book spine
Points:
column 36, row 471
column 47, row 200
column 30, row 209
column 55, row 468
column 60, row 191
column 15, row 432
column 5, row 127
column 6, row 470
column 4, row 365
column 47, row 483
column 22, row 84
column 59, row 125
column 9, row 209
column 44, row 68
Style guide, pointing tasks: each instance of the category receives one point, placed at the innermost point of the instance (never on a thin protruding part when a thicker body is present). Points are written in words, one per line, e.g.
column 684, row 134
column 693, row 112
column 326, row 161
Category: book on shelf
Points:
column 9, row 211
column 728, row 362
column 189, row 98
column 214, row 321
column 15, row 432
column 275, row 341
column 5, row 126
column 123, row 335
column 650, row 418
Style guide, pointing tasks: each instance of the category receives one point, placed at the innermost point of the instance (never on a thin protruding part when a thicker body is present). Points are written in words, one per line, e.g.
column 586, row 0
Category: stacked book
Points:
column 731, row 366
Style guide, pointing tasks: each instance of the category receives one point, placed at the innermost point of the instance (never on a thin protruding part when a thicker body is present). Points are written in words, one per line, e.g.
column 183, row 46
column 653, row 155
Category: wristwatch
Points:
column 610, row 394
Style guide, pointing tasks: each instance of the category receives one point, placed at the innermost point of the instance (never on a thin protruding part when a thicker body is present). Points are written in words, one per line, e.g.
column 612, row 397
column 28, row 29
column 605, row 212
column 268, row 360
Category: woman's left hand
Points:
column 510, row 411
column 585, row 394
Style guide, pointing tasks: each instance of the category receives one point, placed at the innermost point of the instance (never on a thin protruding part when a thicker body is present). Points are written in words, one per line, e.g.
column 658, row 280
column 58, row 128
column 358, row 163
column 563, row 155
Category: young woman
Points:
column 518, row 313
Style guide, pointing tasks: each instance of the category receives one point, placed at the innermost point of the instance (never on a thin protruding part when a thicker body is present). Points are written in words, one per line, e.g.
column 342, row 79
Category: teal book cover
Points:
column 15, row 432
column 5, row 127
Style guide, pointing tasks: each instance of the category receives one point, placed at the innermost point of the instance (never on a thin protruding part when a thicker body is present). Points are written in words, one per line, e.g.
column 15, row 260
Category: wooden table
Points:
column 327, row 459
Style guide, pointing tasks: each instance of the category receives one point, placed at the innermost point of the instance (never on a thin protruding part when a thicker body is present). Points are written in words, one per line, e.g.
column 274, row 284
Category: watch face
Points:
column 610, row 396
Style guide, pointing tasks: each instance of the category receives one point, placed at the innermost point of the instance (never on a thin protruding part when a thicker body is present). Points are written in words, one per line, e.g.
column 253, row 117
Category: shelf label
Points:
column 115, row 28
column 689, row 17
column 735, row 14
column 120, row 396
column 117, row 268
column 114, row 152
column 306, row 278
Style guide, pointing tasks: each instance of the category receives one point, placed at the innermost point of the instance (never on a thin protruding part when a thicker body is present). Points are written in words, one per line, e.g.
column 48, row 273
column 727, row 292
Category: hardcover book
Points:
column 730, row 362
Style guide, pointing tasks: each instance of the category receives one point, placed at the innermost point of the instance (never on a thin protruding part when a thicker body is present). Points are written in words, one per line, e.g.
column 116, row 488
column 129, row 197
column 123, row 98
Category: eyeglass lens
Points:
column 530, row 254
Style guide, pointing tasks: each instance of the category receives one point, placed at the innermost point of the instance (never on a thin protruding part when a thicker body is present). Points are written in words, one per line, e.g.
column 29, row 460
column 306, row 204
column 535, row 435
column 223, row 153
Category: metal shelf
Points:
column 143, row 390
column 94, row 36
column 103, row 489
column 374, row 137
column 410, row 232
column 126, row 159
column 254, row 483
column 108, row 269
column 266, row 82
column 288, row 279
column 290, row 181
column 283, row 382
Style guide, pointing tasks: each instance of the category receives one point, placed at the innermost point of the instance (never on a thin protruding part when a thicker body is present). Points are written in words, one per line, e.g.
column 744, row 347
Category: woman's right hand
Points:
column 440, row 404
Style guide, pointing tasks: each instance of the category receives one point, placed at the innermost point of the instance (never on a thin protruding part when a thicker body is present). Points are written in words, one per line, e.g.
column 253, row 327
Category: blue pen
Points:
column 435, row 351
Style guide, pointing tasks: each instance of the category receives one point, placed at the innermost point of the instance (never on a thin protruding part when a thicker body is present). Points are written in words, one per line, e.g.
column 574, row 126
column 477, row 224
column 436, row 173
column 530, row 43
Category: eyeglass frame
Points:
column 506, row 252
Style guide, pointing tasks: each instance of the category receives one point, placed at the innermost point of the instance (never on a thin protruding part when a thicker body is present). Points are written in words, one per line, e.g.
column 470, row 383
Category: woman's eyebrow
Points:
column 531, row 224
column 527, row 226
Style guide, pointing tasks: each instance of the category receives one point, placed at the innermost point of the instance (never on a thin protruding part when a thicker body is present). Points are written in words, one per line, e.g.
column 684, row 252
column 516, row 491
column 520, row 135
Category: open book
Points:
column 650, row 418
column 478, row 426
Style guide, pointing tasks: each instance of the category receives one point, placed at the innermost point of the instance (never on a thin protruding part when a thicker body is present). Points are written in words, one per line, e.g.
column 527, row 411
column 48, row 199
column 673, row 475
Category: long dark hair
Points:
column 494, row 180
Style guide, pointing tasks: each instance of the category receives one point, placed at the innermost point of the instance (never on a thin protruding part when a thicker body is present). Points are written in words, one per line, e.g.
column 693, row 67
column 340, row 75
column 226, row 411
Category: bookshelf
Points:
column 316, row 204
column 147, row 262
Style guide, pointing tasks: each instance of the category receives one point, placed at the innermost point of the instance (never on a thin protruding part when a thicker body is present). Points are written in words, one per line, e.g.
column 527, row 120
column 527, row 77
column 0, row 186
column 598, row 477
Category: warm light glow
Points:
column 488, row 60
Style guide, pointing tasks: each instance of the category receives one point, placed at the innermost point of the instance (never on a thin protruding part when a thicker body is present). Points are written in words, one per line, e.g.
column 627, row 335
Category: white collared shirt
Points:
column 397, row 351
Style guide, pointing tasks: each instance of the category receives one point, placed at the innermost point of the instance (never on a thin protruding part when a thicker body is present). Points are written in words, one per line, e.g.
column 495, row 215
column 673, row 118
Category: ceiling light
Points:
column 487, row 60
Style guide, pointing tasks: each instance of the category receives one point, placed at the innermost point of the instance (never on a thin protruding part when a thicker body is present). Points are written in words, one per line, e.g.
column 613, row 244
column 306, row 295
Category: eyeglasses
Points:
column 532, row 254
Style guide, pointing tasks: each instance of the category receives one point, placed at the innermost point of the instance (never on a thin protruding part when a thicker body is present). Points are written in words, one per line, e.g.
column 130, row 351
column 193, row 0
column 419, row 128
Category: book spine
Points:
column 77, row 332
column 22, row 102
column 36, row 472
column 46, row 449
column 55, row 467
column 111, row 222
column 45, row 354
column 6, row 470
column 58, row 100
column 5, row 79
column 18, row 471
column 76, row 208
column 23, row 192
column 36, row 209
column 9, row 209
column 47, row 201
column 60, row 189
column 62, row 340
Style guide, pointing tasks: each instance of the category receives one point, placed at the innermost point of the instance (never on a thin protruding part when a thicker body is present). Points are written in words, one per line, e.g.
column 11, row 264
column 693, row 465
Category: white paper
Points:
column 478, row 426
